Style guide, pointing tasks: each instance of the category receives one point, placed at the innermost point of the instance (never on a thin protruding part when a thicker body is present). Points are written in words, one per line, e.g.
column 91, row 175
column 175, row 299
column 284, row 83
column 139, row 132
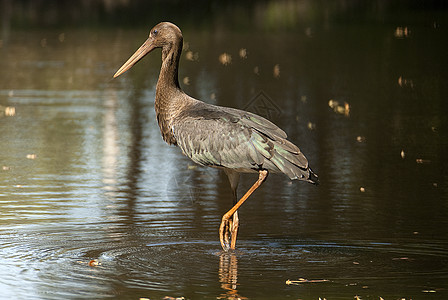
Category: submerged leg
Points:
column 226, row 224
column 234, row 230
column 231, row 231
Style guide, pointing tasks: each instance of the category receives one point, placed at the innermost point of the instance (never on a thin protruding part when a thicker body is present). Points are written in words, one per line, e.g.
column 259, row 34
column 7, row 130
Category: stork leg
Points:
column 231, row 231
column 227, row 224
column 234, row 230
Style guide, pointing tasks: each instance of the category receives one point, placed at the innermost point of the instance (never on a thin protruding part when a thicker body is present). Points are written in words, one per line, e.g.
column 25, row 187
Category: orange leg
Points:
column 234, row 229
column 226, row 223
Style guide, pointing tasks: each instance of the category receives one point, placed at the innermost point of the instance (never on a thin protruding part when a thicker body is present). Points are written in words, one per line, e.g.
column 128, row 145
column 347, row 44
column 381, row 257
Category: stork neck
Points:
column 169, row 96
column 168, row 90
column 168, row 78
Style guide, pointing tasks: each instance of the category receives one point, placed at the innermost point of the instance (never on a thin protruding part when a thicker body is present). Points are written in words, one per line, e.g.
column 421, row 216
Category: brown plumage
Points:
column 231, row 139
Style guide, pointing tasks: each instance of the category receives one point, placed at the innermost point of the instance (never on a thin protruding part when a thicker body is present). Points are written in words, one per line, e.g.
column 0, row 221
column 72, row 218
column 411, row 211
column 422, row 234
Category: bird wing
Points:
column 235, row 139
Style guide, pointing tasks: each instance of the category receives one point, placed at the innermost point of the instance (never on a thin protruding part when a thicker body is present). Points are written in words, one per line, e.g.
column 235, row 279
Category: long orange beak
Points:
column 144, row 49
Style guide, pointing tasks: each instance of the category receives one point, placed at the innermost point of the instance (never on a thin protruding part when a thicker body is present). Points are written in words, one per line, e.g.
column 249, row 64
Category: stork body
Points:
column 234, row 140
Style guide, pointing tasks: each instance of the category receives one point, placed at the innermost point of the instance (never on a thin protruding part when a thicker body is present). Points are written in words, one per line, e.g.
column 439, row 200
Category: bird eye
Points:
column 155, row 31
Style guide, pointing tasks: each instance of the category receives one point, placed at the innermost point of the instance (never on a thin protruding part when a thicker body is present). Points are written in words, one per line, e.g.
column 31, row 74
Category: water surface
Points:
column 86, row 175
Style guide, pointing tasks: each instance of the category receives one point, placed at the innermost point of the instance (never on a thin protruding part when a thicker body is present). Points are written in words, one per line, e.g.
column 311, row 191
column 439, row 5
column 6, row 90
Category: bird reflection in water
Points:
column 228, row 276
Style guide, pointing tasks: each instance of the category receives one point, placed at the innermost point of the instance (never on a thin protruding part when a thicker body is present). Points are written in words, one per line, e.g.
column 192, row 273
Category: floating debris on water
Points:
column 303, row 280
column 332, row 103
column 401, row 32
column 276, row 71
column 189, row 55
column 311, row 126
column 346, row 109
column 243, row 53
column 422, row 161
column 402, row 154
column 402, row 82
column 8, row 111
column 362, row 189
column 303, row 99
column 400, row 258
column 186, row 80
column 61, row 37
column 225, row 59
column 192, row 56
column 31, row 156
column 360, row 139
column 257, row 70
column 340, row 108
column 94, row 263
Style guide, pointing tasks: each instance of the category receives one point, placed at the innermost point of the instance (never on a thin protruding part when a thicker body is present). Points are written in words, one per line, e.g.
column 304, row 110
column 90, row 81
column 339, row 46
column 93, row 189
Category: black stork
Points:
column 230, row 139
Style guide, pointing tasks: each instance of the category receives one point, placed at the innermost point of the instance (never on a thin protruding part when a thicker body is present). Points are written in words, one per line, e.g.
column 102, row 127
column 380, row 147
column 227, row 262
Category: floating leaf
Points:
column 276, row 71
column 94, row 263
column 189, row 55
column 243, row 53
column 332, row 103
column 401, row 32
column 10, row 111
column 422, row 161
column 340, row 108
column 303, row 280
column 225, row 59
column 257, row 70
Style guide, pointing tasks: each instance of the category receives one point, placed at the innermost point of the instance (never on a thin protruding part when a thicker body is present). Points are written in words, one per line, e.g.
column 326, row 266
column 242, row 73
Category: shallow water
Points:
column 85, row 175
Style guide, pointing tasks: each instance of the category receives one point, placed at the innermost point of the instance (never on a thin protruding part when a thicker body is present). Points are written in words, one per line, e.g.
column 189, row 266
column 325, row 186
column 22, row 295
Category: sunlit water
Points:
column 86, row 176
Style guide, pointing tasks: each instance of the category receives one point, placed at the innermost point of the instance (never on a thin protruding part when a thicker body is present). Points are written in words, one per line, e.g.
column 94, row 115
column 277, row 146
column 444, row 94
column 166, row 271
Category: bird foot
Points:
column 228, row 231
column 224, row 233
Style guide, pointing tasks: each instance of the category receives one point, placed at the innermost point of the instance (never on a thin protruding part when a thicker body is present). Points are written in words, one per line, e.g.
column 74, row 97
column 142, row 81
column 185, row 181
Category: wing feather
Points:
column 235, row 139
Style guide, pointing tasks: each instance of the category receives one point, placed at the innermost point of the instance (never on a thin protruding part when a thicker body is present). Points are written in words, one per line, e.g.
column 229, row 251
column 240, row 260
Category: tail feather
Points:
column 293, row 164
column 278, row 154
column 313, row 178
